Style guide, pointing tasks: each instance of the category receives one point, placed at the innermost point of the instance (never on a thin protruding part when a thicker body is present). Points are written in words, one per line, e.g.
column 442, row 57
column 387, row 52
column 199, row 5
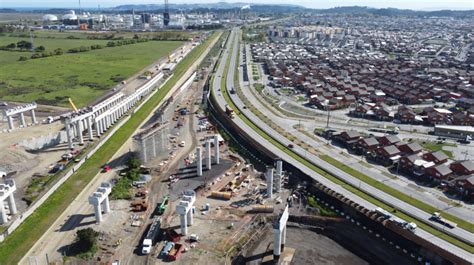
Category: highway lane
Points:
column 428, row 195
column 350, row 179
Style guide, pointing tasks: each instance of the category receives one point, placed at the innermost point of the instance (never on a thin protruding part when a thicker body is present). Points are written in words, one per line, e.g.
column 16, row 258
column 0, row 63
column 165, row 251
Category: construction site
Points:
column 197, row 201
column 181, row 189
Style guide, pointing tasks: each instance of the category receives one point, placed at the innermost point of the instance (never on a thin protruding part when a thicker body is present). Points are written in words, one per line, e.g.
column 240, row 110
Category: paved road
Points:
column 402, row 206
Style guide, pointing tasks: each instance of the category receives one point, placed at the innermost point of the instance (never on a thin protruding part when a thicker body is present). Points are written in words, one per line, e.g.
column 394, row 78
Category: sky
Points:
column 405, row 4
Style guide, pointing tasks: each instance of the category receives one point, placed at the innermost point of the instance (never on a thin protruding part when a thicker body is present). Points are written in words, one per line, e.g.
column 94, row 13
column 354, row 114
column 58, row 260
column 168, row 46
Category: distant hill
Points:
column 360, row 10
column 211, row 6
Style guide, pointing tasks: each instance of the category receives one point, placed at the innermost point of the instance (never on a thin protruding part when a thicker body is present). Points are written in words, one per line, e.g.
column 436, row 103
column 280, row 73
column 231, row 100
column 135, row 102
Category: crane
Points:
column 166, row 15
column 72, row 104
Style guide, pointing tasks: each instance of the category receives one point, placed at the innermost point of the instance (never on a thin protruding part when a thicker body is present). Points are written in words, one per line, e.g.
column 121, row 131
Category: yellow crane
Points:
column 72, row 104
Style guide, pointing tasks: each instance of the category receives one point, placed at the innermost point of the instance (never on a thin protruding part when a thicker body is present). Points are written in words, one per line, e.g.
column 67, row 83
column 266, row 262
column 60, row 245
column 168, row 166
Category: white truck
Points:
column 151, row 235
column 437, row 218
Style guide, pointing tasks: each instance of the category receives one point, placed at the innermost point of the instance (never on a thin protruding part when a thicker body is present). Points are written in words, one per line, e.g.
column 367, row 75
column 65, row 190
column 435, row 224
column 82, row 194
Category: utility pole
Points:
column 329, row 113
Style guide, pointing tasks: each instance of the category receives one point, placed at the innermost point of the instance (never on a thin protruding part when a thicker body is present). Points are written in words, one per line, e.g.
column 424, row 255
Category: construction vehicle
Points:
column 151, row 235
column 437, row 218
column 174, row 252
column 172, row 235
column 163, row 205
column 166, row 249
column 72, row 104
column 139, row 206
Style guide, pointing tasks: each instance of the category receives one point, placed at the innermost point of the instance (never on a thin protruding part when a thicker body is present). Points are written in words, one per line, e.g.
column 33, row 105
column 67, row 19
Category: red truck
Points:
column 173, row 236
column 175, row 251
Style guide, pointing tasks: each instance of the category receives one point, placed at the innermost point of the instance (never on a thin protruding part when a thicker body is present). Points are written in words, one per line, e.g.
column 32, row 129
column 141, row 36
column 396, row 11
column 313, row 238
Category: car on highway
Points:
column 290, row 146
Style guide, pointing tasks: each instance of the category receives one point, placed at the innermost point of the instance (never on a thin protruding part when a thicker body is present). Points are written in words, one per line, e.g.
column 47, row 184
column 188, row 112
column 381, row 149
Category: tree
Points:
column 134, row 162
column 24, row 45
column 22, row 58
column 58, row 51
column 11, row 46
column 40, row 48
column 86, row 241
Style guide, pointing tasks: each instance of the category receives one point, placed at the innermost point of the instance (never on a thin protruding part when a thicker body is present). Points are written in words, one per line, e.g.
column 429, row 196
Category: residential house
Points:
column 409, row 148
column 388, row 140
column 438, row 172
column 462, row 168
column 438, row 157
column 366, row 145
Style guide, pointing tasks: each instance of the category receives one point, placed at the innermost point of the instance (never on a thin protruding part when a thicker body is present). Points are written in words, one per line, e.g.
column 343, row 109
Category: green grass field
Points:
column 438, row 147
column 24, row 237
column 81, row 76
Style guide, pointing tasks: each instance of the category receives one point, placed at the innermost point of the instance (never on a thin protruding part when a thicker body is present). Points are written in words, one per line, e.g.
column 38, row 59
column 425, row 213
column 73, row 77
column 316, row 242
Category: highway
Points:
column 376, row 193
column 431, row 196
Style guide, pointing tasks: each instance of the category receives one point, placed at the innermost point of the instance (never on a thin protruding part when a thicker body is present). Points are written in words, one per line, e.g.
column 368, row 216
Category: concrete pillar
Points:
column 216, row 149
column 199, row 161
column 189, row 216
column 98, row 213
column 22, row 119
column 145, row 159
column 153, row 141
column 106, row 205
column 279, row 167
column 283, row 238
column 208, row 154
column 11, row 204
column 276, row 243
column 97, row 128
column 11, row 125
column 79, row 132
column 68, row 133
column 33, row 116
column 277, row 182
column 184, row 225
column 269, row 177
column 89, row 128
column 3, row 214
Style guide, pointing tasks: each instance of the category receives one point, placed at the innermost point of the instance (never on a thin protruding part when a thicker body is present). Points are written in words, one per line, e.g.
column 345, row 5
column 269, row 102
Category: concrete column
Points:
column 216, row 149
column 208, row 154
column 68, row 133
column 279, row 167
column 89, row 128
column 106, row 205
column 97, row 128
column 269, row 177
column 184, row 225
column 189, row 216
column 22, row 119
column 33, row 116
column 276, row 243
column 79, row 132
column 144, row 151
column 199, row 161
column 98, row 213
column 277, row 182
column 3, row 214
column 283, row 238
column 11, row 204
column 153, row 142
column 11, row 125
